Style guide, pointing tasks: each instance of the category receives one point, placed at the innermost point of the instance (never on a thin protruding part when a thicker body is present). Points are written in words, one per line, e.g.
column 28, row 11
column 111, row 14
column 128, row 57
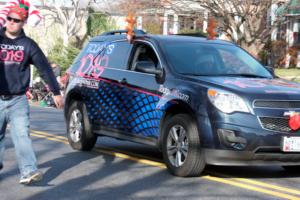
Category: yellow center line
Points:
column 254, row 182
column 234, row 181
column 128, row 157
column 48, row 134
column 250, row 187
column 49, row 138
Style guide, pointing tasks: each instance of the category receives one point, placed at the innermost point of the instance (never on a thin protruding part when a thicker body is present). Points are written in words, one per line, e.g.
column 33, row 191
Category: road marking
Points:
column 49, row 138
column 250, row 187
column 234, row 181
column 50, row 135
column 128, row 157
column 253, row 182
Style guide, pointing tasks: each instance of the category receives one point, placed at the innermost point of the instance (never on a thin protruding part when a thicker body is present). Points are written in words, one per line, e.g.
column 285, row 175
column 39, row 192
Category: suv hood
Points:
column 256, row 86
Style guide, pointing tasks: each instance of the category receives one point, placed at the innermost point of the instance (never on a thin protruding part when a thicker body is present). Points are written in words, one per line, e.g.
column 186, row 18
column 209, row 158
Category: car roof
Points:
column 181, row 38
column 110, row 36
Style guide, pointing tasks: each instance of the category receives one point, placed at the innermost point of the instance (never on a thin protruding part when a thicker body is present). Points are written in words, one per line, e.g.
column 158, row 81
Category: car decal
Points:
column 260, row 83
column 124, row 108
column 94, row 48
column 85, row 82
column 110, row 49
column 174, row 93
column 91, row 65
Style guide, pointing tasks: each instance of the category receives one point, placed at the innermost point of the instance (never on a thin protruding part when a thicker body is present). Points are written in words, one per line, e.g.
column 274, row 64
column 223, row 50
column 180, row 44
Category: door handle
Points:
column 123, row 81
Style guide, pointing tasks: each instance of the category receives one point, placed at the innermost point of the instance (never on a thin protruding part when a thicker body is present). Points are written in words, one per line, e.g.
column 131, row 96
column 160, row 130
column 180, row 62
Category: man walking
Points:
column 17, row 52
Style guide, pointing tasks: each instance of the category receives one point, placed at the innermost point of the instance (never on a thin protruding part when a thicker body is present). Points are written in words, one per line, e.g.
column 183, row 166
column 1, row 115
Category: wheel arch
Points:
column 72, row 95
column 179, row 107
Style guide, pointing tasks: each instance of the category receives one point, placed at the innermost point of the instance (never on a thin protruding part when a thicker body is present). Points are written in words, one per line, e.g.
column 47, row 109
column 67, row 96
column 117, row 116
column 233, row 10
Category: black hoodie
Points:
column 16, row 55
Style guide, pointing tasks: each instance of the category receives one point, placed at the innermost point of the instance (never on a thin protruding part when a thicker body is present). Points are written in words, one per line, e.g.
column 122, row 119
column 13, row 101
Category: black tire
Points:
column 292, row 168
column 84, row 139
column 194, row 162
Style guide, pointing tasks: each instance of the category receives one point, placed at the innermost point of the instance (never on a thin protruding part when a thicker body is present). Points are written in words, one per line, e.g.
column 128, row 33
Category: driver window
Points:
column 144, row 53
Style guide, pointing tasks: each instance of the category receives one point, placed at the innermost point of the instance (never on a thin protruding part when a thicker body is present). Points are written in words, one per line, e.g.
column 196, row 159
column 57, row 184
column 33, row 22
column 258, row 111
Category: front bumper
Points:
column 264, row 156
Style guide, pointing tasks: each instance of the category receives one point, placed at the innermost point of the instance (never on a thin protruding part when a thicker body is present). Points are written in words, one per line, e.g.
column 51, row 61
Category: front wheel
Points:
column 181, row 146
column 79, row 131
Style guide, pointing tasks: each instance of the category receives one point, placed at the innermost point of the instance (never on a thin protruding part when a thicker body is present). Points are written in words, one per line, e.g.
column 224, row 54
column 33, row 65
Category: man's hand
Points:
column 59, row 102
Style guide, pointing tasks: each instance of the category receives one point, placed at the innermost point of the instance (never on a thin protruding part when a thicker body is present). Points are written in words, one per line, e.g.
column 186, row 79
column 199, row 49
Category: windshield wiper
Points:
column 247, row 75
column 235, row 75
column 192, row 74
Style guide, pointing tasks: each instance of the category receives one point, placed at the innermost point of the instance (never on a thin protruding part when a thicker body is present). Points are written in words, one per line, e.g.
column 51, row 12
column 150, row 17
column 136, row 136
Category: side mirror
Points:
column 147, row 67
column 271, row 70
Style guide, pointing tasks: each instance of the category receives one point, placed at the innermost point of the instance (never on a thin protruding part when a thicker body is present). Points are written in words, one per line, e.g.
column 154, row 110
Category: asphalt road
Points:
column 124, row 170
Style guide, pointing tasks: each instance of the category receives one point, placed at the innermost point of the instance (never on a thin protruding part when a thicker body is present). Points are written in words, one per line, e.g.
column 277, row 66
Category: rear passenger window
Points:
column 117, row 54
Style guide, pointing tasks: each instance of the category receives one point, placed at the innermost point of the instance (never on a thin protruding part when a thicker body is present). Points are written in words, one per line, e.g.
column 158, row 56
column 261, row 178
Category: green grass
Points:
column 289, row 74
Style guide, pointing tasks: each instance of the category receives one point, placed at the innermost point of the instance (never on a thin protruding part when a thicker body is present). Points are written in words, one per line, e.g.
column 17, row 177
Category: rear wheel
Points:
column 79, row 131
column 181, row 146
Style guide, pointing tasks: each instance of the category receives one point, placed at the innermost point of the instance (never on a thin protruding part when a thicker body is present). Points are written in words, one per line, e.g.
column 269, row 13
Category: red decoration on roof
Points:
column 211, row 29
column 130, row 26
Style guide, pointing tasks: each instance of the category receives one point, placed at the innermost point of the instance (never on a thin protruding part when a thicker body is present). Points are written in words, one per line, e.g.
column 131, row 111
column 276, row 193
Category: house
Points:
column 285, row 18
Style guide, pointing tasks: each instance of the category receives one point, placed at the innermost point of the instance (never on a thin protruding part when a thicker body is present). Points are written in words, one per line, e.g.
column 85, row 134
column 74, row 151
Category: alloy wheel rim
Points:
column 75, row 126
column 177, row 145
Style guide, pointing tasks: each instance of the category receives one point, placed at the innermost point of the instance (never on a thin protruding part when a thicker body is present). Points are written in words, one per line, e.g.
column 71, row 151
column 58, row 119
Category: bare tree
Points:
column 135, row 6
column 69, row 14
column 244, row 21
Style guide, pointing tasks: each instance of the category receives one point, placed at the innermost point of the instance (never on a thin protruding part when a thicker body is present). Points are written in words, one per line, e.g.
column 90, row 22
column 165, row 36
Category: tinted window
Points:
column 212, row 59
column 144, row 52
column 117, row 54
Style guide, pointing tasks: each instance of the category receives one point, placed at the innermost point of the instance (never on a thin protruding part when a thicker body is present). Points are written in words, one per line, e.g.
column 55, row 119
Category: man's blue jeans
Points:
column 15, row 112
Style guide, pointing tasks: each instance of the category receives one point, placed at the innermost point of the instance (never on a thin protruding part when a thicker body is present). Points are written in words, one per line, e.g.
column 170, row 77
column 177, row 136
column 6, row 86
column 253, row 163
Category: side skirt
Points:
column 125, row 136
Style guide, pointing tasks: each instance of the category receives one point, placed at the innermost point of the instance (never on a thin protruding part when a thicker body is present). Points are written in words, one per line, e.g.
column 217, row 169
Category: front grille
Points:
column 276, row 104
column 275, row 124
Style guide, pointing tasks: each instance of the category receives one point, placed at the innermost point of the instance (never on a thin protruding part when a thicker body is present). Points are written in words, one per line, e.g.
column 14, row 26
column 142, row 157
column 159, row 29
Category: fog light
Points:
column 229, row 139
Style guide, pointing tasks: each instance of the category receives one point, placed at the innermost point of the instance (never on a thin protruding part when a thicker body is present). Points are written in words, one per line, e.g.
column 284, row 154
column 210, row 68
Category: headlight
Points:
column 227, row 102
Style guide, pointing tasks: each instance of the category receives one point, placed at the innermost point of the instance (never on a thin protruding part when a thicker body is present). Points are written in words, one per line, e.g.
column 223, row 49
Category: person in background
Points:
column 56, row 69
column 17, row 52
column 57, row 72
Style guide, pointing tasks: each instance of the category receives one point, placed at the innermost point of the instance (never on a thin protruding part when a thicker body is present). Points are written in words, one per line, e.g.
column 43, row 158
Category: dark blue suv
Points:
column 201, row 102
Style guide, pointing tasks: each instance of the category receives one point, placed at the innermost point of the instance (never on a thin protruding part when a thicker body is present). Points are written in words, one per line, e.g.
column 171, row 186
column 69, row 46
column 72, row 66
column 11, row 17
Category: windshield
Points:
column 200, row 59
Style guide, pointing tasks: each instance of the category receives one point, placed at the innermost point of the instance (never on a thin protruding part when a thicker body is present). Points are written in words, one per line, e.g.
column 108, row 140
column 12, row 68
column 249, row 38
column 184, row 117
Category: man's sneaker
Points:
column 31, row 177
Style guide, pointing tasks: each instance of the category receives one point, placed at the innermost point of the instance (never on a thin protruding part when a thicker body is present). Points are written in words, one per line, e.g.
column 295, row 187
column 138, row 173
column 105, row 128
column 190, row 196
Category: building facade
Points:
column 285, row 20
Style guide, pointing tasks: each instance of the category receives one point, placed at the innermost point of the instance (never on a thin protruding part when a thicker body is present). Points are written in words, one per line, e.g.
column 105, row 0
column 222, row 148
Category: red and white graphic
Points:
column 91, row 66
column 11, row 53
column 34, row 15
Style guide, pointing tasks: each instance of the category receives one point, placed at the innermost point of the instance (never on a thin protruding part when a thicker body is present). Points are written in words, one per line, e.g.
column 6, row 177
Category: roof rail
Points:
column 119, row 32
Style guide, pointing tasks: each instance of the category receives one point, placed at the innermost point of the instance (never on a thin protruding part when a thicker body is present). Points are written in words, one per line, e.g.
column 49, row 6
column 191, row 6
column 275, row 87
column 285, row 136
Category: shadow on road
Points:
column 100, row 183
